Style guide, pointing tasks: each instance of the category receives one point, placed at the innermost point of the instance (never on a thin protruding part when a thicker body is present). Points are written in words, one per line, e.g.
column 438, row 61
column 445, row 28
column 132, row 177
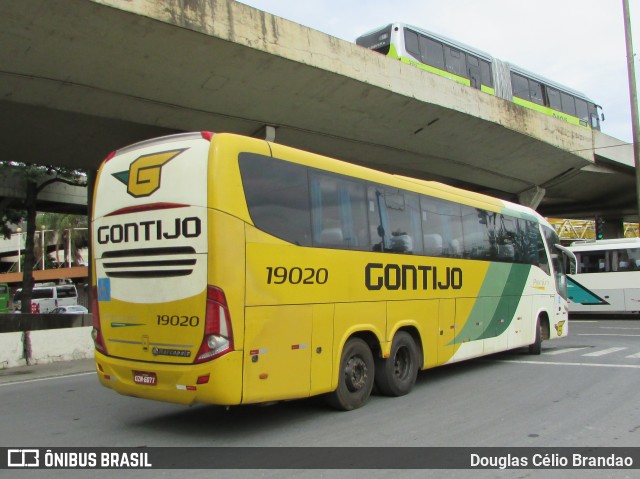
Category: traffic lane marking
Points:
column 604, row 352
column 558, row 363
column 608, row 334
column 565, row 350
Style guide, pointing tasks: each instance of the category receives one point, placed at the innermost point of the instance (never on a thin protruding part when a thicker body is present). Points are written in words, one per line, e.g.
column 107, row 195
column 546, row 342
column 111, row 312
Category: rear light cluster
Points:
column 218, row 336
column 96, row 333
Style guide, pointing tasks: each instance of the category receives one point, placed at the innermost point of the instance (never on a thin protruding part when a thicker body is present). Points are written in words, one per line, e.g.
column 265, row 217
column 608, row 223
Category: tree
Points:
column 67, row 230
column 35, row 178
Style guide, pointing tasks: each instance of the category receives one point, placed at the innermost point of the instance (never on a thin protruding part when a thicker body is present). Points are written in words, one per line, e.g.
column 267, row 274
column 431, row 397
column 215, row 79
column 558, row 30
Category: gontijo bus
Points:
column 230, row 270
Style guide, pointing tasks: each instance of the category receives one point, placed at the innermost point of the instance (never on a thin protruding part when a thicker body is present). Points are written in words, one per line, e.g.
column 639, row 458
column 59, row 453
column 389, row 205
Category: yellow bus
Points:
column 230, row 270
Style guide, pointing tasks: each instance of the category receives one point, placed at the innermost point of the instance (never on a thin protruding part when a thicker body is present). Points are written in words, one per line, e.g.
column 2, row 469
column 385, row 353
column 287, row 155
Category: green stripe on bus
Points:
column 505, row 287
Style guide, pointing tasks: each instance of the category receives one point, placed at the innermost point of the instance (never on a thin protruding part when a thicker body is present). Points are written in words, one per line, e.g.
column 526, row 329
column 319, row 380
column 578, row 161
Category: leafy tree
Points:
column 35, row 179
column 65, row 231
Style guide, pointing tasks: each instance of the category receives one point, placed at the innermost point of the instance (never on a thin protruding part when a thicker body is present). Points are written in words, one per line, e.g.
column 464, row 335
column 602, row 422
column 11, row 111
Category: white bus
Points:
column 610, row 269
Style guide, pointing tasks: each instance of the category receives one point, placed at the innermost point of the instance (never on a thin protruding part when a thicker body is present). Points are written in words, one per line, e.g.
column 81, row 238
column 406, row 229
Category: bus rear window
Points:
column 277, row 194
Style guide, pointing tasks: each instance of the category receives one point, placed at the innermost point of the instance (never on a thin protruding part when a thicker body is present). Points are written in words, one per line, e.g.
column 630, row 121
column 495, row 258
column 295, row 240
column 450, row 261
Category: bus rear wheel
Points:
column 397, row 375
column 357, row 372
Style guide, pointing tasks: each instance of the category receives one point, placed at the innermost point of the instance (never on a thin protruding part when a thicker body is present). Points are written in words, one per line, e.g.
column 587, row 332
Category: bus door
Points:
column 447, row 329
column 559, row 257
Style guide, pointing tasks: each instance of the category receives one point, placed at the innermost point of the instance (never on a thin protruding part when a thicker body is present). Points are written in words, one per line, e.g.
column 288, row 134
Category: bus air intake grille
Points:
column 150, row 262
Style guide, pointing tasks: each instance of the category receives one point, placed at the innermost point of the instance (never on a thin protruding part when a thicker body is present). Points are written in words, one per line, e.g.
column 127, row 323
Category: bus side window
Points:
column 441, row 227
column 279, row 201
column 519, row 86
column 568, row 104
column 378, row 222
column 411, row 43
column 475, row 229
column 394, row 217
column 432, row 52
column 455, row 61
column 543, row 262
column 582, row 112
column 535, row 92
column 553, row 96
column 634, row 258
column 485, row 73
column 338, row 212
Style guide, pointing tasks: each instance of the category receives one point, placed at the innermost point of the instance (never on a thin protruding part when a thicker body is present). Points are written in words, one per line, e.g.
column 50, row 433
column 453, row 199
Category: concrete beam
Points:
column 85, row 77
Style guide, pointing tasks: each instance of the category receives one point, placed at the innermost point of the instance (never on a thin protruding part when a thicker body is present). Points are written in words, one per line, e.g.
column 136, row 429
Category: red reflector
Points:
column 203, row 379
column 207, row 135
column 191, row 388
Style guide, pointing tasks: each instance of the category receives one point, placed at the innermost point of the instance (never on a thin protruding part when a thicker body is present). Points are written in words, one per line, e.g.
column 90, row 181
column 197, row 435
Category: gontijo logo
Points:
column 143, row 177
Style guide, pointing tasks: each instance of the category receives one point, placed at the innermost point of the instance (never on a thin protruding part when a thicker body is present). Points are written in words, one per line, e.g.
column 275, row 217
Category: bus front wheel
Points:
column 396, row 375
column 357, row 372
column 536, row 347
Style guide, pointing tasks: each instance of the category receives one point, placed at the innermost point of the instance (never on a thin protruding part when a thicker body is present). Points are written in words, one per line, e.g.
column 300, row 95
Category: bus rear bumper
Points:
column 215, row 382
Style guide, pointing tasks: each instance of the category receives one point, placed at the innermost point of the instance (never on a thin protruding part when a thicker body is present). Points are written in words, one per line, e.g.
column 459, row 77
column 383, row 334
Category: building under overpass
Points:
column 81, row 78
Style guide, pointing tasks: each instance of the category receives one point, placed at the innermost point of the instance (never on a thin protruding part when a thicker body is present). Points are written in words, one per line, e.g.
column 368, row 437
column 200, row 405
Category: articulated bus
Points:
column 610, row 271
column 469, row 66
column 231, row 270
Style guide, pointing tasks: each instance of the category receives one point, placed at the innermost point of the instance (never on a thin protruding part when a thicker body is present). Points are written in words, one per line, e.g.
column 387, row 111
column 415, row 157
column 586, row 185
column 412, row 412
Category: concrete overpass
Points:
column 81, row 78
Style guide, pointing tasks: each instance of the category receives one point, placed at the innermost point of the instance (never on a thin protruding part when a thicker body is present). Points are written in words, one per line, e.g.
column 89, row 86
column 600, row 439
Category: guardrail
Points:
column 30, row 339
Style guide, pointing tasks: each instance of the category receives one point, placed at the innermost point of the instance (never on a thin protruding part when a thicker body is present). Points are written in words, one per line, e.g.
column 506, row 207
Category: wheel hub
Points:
column 356, row 374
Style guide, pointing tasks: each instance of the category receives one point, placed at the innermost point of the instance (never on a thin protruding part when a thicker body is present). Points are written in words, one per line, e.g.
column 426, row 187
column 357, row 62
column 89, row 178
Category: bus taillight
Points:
column 96, row 333
column 218, row 336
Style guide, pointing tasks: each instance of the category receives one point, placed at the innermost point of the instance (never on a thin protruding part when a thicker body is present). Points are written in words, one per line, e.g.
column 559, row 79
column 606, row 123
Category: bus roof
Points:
column 432, row 188
column 601, row 245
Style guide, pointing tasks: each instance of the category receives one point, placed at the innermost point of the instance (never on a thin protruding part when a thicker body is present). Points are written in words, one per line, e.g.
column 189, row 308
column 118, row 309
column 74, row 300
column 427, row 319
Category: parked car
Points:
column 48, row 296
column 77, row 309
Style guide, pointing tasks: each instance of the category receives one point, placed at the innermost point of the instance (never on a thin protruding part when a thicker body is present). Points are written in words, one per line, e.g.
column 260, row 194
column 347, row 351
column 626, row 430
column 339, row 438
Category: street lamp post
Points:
column 19, row 234
column 42, row 228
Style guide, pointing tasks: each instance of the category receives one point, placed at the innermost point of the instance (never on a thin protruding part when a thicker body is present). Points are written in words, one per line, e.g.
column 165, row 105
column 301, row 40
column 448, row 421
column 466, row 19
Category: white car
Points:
column 69, row 310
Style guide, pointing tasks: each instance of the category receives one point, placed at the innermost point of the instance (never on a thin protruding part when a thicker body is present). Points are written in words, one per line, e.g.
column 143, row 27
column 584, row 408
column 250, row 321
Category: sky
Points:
column 577, row 43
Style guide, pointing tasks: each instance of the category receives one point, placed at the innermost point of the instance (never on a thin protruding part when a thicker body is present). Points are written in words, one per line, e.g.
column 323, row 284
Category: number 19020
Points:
column 295, row 275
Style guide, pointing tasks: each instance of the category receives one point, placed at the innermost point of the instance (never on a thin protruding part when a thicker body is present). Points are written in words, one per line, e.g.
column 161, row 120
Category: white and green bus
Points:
column 469, row 66
column 609, row 271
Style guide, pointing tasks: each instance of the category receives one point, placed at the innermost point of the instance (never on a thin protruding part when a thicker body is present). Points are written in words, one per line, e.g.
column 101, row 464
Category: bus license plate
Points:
column 145, row 378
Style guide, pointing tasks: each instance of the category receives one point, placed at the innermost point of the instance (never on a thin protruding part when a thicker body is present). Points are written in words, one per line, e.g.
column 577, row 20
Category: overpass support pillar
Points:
column 531, row 197
column 267, row 132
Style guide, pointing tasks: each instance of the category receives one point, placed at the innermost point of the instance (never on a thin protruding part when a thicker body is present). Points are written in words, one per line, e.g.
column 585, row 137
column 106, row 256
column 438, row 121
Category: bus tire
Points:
column 396, row 375
column 536, row 347
column 357, row 372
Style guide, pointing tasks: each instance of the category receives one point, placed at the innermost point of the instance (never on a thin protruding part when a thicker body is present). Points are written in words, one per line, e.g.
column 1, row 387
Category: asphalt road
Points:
column 582, row 391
